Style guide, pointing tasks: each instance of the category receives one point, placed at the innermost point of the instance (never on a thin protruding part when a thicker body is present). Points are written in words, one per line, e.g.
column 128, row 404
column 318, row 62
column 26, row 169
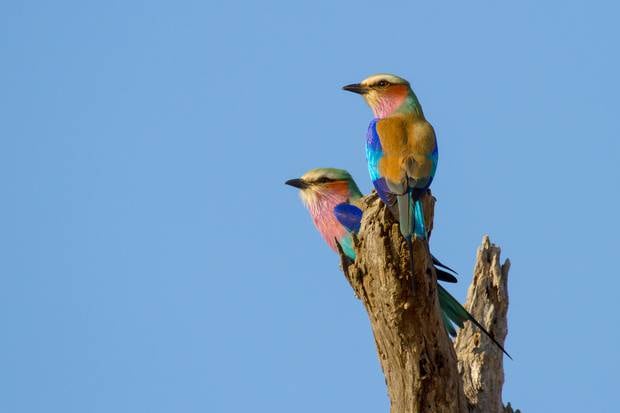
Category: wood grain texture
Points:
column 415, row 352
column 480, row 361
column 417, row 357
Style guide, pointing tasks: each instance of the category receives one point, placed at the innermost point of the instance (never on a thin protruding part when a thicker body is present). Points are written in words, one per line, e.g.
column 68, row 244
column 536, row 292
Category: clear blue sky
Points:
column 153, row 260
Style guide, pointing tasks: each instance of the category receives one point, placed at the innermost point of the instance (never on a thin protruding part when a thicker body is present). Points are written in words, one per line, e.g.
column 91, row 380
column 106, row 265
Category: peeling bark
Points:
column 417, row 357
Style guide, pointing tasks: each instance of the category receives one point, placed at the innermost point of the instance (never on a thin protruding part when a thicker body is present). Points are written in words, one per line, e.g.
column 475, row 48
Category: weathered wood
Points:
column 416, row 355
column 480, row 362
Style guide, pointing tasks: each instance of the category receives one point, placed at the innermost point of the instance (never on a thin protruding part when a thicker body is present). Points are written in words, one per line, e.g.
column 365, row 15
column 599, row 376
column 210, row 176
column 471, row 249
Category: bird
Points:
column 331, row 195
column 401, row 150
column 321, row 190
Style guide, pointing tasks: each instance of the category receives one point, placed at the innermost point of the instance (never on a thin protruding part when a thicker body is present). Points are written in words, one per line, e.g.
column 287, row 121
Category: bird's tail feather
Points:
column 418, row 220
column 405, row 217
column 438, row 263
column 448, row 325
column 444, row 276
column 457, row 314
column 410, row 216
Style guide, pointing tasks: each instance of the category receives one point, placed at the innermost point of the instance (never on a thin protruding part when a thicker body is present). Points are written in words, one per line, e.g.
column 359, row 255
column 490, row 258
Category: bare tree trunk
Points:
column 417, row 357
column 480, row 364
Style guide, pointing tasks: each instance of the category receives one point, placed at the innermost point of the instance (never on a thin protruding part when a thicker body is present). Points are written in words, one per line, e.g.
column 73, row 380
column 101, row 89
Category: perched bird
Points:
column 330, row 195
column 401, row 150
column 321, row 190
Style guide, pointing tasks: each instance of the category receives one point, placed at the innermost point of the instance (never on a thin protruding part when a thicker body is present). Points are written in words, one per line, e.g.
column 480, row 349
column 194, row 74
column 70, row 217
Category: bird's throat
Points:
column 394, row 103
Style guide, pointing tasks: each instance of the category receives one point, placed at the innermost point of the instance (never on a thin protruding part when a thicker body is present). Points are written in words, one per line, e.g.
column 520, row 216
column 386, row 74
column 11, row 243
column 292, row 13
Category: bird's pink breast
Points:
column 322, row 211
column 390, row 100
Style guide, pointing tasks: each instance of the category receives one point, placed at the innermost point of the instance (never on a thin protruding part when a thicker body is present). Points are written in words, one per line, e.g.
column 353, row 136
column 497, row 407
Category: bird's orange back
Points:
column 407, row 142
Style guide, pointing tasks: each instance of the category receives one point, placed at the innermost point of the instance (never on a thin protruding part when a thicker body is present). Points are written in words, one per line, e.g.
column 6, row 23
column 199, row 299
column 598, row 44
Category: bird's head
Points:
column 385, row 94
column 322, row 184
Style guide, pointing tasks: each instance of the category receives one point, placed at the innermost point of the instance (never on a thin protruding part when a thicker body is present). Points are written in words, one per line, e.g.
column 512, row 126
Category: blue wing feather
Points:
column 349, row 216
column 374, row 153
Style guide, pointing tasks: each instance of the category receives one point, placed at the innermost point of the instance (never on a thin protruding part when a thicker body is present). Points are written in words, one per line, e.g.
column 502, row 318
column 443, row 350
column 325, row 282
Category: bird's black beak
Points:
column 297, row 183
column 356, row 88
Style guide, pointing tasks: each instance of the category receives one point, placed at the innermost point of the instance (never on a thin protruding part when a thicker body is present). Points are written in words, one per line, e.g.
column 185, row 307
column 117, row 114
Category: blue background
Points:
column 153, row 261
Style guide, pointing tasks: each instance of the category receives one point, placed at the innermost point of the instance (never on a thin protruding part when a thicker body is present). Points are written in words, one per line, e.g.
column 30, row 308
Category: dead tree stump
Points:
column 423, row 372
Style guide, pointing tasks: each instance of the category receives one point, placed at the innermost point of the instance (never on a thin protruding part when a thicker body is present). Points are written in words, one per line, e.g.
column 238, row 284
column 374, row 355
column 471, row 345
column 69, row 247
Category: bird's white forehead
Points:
column 331, row 173
column 393, row 79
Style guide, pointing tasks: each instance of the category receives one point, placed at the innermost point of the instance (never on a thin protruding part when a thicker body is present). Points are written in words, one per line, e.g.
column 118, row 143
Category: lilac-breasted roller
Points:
column 330, row 195
column 401, row 149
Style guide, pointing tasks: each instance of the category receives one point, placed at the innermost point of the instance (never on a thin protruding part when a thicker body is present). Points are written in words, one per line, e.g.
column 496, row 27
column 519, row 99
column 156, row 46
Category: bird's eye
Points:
column 383, row 83
column 322, row 180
